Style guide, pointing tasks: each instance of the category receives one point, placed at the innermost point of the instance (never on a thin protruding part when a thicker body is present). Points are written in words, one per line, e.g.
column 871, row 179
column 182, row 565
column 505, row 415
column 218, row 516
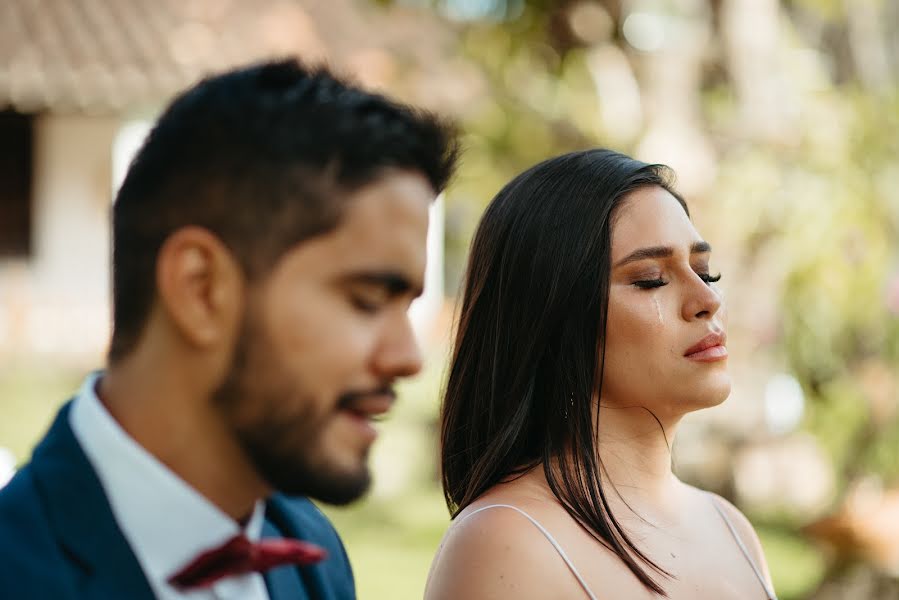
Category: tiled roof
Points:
column 106, row 56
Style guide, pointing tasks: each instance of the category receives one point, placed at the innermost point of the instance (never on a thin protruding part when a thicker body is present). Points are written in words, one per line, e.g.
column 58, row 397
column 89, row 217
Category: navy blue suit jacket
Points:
column 60, row 541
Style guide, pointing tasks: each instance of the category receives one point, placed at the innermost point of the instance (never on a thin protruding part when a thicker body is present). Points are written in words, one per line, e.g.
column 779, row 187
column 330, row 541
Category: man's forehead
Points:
column 394, row 195
column 383, row 229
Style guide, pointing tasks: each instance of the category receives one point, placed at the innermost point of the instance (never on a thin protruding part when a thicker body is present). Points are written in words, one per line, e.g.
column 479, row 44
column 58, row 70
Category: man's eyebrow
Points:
column 393, row 282
column 661, row 252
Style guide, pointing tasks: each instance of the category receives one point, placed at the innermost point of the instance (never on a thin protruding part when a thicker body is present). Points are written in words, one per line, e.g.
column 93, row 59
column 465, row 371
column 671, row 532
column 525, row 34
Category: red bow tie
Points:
column 239, row 555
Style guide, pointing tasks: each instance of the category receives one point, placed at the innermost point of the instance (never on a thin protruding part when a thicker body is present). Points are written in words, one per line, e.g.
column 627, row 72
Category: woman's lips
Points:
column 708, row 349
column 709, row 354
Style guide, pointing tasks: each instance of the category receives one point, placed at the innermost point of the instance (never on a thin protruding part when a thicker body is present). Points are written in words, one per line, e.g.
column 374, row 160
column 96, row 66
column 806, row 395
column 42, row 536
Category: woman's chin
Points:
column 714, row 392
column 711, row 392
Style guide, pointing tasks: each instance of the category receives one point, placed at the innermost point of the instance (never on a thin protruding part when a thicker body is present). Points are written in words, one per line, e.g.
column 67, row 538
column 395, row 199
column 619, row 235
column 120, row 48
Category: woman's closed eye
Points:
column 649, row 284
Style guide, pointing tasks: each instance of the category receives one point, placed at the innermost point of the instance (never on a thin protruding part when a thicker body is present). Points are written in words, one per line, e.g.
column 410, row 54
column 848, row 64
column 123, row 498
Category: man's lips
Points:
column 711, row 347
column 368, row 405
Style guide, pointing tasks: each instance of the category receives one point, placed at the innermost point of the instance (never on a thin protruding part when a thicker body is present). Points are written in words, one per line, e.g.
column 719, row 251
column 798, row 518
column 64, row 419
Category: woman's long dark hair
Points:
column 528, row 354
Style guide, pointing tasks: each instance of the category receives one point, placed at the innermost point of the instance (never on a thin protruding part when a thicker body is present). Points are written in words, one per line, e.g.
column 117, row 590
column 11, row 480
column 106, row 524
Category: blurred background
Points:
column 781, row 118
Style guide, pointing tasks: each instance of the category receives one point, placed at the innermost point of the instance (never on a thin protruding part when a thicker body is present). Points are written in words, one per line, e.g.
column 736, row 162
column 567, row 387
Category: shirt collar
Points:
column 165, row 520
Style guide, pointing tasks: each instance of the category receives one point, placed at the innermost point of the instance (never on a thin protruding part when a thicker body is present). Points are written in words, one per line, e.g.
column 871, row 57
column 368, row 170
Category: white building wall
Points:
column 57, row 302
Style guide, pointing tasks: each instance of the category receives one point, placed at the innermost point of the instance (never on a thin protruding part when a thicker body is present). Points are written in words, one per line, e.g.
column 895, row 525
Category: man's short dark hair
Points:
column 263, row 157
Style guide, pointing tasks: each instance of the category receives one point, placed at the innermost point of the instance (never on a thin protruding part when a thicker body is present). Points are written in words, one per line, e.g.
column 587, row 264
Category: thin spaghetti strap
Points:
column 768, row 591
column 547, row 535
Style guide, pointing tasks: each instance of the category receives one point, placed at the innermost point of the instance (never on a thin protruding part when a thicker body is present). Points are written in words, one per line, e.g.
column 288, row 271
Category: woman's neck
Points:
column 635, row 454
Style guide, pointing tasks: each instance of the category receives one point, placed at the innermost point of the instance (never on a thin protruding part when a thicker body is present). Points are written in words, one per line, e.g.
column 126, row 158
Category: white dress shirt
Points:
column 167, row 522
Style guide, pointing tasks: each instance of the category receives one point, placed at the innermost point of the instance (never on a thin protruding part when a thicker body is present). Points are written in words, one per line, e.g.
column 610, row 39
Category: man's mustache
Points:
column 348, row 399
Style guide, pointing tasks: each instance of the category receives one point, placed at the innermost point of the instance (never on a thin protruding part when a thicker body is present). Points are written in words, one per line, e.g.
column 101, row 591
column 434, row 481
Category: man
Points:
column 268, row 240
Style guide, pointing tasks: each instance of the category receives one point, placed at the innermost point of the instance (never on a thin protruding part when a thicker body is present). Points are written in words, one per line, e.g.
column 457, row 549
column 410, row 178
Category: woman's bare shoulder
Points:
column 746, row 532
column 493, row 551
column 736, row 517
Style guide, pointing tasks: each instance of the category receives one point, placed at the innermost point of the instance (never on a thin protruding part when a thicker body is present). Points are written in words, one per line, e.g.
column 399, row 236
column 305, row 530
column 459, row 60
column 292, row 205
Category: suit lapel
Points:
column 311, row 577
column 79, row 512
column 283, row 583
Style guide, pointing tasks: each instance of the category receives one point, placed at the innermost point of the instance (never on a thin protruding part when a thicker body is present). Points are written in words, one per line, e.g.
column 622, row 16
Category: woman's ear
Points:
column 200, row 286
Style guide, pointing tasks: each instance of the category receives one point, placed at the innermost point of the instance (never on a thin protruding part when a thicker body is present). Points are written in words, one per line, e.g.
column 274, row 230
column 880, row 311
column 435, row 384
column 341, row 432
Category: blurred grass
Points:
column 30, row 395
column 392, row 535
column 796, row 566
column 391, row 542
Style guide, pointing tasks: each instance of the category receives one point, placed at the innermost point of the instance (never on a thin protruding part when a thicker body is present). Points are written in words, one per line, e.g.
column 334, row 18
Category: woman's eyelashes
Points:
column 648, row 284
column 657, row 282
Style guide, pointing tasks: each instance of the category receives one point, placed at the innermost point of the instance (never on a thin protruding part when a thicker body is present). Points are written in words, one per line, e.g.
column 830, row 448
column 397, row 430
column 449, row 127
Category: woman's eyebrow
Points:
column 661, row 252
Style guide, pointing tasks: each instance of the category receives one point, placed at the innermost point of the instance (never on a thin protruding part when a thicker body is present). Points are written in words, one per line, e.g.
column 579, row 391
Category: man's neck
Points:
column 183, row 432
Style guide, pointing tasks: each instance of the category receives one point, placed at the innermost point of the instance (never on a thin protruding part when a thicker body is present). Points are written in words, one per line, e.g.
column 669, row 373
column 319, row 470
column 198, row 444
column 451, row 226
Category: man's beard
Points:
column 278, row 427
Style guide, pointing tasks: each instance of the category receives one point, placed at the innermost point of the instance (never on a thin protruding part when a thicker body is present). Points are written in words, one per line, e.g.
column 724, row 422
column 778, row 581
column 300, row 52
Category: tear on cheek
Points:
column 658, row 306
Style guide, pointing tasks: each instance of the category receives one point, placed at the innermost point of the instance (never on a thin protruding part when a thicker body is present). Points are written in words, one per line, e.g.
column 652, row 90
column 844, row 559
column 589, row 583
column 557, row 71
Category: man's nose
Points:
column 398, row 354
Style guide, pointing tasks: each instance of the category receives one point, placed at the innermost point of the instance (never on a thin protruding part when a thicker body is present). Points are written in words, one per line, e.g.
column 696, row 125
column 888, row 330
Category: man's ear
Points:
column 200, row 286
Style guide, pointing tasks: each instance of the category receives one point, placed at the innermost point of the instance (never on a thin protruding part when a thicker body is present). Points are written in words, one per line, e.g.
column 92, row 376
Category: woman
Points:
column 591, row 324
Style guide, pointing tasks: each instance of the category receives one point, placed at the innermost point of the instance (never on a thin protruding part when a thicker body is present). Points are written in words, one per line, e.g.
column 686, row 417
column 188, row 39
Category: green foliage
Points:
column 837, row 314
column 795, row 566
